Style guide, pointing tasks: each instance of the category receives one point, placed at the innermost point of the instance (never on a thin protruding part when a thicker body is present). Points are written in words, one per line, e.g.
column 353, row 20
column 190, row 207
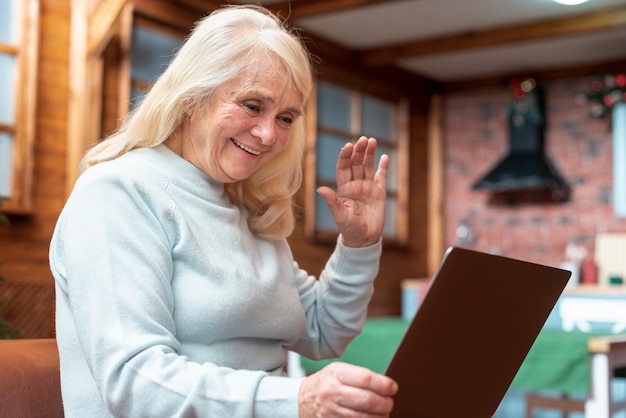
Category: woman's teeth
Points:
column 246, row 149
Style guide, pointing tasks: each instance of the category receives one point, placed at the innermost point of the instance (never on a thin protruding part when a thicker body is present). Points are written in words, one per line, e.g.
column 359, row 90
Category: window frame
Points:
column 23, row 130
column 155, row 26
column 399, row 162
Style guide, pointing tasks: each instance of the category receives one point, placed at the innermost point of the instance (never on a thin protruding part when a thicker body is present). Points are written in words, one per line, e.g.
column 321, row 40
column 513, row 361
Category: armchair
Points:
column 30, row 383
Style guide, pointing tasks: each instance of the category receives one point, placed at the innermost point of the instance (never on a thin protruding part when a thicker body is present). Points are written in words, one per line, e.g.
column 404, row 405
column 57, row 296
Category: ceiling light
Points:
column 570, row 2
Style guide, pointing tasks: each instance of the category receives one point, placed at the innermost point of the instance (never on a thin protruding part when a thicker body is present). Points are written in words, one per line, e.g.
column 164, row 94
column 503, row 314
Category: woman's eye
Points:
column 286, row 119
column 251, row 106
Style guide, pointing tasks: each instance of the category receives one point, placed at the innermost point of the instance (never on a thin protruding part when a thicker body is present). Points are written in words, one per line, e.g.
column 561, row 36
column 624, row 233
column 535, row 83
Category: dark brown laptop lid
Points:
column 471, row 333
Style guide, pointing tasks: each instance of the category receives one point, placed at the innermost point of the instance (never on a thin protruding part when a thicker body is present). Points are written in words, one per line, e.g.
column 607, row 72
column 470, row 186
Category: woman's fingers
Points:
column 345, row 390
column 357, row 161
column 358, row 157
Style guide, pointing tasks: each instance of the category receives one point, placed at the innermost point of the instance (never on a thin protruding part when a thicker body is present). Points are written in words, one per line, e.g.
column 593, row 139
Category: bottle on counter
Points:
column 589, row 271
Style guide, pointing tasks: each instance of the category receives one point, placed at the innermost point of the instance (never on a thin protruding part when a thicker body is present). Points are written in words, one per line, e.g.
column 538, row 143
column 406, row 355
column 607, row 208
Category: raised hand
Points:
column 345, row 390
column 358, row 206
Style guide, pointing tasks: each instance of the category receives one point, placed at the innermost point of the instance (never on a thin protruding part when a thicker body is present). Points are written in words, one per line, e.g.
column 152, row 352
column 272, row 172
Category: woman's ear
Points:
column 196, row 106
column 190, row 109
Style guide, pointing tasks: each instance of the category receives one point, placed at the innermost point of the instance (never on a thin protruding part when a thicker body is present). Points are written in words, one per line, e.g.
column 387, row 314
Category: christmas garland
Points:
column 606, row 91
column 524, row 102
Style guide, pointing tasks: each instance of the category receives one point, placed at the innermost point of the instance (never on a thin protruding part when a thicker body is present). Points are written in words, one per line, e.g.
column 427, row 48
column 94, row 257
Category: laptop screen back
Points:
column 471, row 333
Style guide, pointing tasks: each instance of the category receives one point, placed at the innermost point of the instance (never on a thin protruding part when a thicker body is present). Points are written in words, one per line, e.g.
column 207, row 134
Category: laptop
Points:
column 471, row 333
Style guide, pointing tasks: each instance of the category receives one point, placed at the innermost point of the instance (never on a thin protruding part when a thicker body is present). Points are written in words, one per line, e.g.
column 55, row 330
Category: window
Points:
column 101, row 48
column 344, row 115
column 151, row 52
column 18, row 48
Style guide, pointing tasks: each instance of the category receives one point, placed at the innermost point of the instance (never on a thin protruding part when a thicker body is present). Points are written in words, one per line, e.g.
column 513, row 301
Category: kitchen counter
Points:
column 588, row 289
column 589, row 308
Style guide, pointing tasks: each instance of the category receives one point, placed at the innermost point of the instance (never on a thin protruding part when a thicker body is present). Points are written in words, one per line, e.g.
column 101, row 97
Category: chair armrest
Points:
column 30, row 384
column 606, row 344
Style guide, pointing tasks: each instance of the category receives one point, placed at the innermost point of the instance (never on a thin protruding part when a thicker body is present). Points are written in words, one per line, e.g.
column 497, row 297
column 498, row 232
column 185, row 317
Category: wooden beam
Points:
column 124, row 63
column 102, row 24
column 584, row 23
column 173, row 14
column 544, row 75
column 403, row 171
column 337, row 59
column 292, row 9
column 7, row 128
column 306, row 8
column 202, row 6
column 78, row 100
column 308, row 194
column 436, row 165
column 8, row 49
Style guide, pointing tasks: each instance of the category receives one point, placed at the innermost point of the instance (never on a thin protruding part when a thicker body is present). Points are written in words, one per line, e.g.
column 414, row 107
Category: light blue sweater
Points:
column 168, row 306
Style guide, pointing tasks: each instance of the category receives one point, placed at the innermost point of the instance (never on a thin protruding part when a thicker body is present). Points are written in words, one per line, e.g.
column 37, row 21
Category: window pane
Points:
column 323, row 217
column 337, row 121
column 6, row 164
column 333, row 107
column 136, row 95
column 378, row 118
column 9, row 21
column 390, row 218
column 7, row 87
column 151, row 51
column 328, row 147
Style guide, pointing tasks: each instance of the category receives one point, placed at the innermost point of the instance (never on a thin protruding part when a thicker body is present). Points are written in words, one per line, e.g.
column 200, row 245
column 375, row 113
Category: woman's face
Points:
column 247, row 121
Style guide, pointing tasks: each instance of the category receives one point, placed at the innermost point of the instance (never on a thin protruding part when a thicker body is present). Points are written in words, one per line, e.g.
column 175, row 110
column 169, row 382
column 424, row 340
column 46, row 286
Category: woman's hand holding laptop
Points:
column 346, row 390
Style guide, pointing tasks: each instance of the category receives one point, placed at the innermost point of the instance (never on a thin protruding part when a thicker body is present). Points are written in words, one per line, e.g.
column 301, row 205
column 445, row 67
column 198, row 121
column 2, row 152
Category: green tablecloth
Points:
column 373, row 348
column 558, row 360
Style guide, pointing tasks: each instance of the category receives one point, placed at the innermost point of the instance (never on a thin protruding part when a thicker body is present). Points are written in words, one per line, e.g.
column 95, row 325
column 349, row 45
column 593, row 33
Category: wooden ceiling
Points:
column 470, row 47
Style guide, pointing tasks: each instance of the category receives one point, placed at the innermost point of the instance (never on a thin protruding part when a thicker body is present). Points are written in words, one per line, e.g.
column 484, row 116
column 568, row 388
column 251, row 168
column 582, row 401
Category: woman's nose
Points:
column 265, row 131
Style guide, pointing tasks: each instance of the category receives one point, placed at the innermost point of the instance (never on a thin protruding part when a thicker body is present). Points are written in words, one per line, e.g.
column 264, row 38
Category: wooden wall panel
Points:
column 29, row 308
column 28, row 292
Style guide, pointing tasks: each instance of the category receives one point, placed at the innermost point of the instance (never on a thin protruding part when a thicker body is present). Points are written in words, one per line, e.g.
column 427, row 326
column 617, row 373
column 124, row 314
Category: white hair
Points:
column 218, row 49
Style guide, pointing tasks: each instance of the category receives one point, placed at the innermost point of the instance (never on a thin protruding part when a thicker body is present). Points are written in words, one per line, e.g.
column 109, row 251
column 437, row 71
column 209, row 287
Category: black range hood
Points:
column 526, row 168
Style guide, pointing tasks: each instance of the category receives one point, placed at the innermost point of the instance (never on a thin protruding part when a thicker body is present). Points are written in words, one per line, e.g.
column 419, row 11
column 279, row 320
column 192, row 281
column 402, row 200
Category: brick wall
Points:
column 581, row 148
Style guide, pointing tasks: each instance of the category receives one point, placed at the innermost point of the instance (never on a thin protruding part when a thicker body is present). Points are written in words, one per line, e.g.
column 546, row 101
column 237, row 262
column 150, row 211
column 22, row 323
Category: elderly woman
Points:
column 177, row 293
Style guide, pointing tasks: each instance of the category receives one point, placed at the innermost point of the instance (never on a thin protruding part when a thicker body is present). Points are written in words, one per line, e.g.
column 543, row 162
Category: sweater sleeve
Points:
column 111, row 258
column 336, row 304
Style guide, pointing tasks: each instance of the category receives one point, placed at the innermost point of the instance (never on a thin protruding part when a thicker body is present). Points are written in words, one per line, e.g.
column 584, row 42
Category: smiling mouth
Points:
column 246, row 149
